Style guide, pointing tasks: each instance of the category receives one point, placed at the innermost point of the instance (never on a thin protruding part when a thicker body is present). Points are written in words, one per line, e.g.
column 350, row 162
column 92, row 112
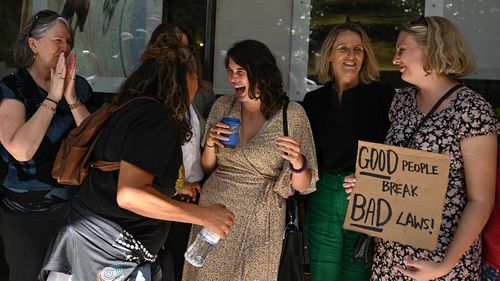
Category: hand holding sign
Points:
column 399, row 194
column 349, row 183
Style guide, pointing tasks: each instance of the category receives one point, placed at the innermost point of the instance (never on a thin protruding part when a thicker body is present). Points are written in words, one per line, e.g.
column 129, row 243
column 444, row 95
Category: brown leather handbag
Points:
column 72, row 162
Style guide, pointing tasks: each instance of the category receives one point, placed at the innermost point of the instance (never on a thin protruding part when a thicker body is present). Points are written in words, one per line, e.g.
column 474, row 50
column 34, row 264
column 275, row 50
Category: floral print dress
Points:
column 468, row 115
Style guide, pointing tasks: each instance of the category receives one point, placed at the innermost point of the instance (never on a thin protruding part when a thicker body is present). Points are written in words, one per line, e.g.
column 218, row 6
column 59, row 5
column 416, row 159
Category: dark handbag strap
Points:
column 433, row 109
column 291, row 203
column 285, row 119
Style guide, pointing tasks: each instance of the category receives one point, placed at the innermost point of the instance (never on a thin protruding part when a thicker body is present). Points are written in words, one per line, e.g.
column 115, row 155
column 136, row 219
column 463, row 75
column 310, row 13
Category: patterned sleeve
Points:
column 396, row 101
column 476, row 117
column 300, row 130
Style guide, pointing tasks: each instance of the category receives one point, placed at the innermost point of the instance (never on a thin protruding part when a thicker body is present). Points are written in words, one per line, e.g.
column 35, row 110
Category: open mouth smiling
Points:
column 240, row 90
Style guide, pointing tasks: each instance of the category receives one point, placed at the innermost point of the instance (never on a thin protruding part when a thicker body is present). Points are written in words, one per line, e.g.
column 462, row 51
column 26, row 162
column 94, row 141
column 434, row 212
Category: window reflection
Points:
column 379, row 18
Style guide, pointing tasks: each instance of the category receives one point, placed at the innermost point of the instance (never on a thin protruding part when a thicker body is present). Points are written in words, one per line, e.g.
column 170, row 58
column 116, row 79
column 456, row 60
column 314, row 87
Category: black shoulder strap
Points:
column 433, row 109
column 285, row 119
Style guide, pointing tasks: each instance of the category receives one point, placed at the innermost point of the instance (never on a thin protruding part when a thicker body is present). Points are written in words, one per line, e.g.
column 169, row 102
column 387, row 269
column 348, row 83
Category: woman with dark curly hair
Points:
column 121, row 218
column 254, row 178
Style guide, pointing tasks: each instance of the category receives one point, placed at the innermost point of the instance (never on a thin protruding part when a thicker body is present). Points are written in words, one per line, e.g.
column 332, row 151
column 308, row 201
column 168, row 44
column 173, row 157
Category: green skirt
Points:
column 330, row 245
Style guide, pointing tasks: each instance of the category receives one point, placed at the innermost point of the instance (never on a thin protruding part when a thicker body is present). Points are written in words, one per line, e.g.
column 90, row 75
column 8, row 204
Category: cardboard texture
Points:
column 399, row 194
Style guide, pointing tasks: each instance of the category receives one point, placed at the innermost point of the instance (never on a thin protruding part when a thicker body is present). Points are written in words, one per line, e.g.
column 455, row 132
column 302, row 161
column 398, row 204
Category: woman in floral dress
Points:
column 431, row 55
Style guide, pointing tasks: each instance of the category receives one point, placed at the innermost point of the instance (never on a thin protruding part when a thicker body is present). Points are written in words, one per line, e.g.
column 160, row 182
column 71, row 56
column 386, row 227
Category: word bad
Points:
column 374, row 213
column 370, row 211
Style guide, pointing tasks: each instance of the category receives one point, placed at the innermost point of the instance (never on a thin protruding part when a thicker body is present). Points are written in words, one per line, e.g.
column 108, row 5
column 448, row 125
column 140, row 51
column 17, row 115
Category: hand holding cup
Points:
column 224, row 133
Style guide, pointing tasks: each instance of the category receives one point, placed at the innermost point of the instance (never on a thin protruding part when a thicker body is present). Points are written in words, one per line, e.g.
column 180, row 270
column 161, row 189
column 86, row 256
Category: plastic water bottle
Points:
column 201, row 247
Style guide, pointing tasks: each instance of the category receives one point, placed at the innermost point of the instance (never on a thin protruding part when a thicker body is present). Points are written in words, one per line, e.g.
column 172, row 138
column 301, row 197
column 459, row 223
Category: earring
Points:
column 257, row 93
column 34, row 56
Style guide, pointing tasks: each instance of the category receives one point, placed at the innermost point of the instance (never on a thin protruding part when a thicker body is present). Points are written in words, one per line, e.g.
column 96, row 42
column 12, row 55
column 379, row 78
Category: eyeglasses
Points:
column 38, row 16
column 420, row 21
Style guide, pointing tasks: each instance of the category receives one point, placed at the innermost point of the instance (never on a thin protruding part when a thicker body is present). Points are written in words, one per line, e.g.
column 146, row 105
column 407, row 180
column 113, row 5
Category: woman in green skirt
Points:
column 352, row 105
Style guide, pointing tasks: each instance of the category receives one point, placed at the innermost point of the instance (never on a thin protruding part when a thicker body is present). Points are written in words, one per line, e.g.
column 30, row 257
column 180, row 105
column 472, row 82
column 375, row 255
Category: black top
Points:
column 363, row 115
column 142, row 133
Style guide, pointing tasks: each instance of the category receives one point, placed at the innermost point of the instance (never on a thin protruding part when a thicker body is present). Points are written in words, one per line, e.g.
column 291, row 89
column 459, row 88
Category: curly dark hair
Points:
column 264, row 76
column 164, row 65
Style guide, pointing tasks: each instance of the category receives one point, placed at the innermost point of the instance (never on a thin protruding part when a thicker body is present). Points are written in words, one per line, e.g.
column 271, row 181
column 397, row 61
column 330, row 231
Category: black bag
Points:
column 292, row 254
column 292, row 260
column 363, row 249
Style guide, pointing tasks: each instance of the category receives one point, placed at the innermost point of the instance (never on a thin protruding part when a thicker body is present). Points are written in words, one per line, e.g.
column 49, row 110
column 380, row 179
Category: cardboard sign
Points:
column 399, row 194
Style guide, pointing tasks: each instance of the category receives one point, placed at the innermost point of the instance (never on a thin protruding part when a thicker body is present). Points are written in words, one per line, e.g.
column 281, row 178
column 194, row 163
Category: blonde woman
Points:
column 353, row 105
column 432, row 55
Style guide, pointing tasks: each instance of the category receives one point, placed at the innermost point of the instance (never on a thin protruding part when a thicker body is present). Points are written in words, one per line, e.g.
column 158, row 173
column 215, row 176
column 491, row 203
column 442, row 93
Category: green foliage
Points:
column 379, row 18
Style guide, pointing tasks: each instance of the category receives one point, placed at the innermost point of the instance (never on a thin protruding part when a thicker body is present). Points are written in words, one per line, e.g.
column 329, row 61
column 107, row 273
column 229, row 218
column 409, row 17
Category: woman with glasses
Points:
column 351, row 106
column 39, row 105
column 432, row 56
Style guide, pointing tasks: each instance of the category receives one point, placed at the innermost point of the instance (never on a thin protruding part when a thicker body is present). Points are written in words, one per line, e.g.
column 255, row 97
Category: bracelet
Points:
column 206, row 144
column 74, row 105
column 52, row 109
column 49, row 99
column 301, row 169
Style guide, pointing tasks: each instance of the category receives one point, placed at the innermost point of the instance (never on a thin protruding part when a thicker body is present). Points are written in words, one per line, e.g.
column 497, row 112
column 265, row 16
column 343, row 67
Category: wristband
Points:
column 49, row 99
column 301, row 169
column 74, row 105
column 52, row 109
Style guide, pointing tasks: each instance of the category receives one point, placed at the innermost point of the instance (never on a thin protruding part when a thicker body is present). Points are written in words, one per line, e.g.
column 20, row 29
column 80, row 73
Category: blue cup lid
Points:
column 230, row 120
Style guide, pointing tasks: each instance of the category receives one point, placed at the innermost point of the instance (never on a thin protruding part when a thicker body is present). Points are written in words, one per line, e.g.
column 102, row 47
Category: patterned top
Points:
column 468, row 115
column 29, row 183
column 252, row 180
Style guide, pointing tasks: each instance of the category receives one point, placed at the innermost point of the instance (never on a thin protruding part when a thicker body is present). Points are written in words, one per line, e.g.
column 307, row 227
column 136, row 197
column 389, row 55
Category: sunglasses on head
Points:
column 420, row 21
column 42, row 14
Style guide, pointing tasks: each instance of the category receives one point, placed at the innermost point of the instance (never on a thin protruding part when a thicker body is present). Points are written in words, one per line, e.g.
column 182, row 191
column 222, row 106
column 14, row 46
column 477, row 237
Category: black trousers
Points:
column 26, row 238
column 174, row 250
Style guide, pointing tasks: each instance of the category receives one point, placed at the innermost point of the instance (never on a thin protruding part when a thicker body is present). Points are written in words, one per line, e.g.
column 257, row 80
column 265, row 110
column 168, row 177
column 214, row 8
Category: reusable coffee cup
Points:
column 234, row 126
